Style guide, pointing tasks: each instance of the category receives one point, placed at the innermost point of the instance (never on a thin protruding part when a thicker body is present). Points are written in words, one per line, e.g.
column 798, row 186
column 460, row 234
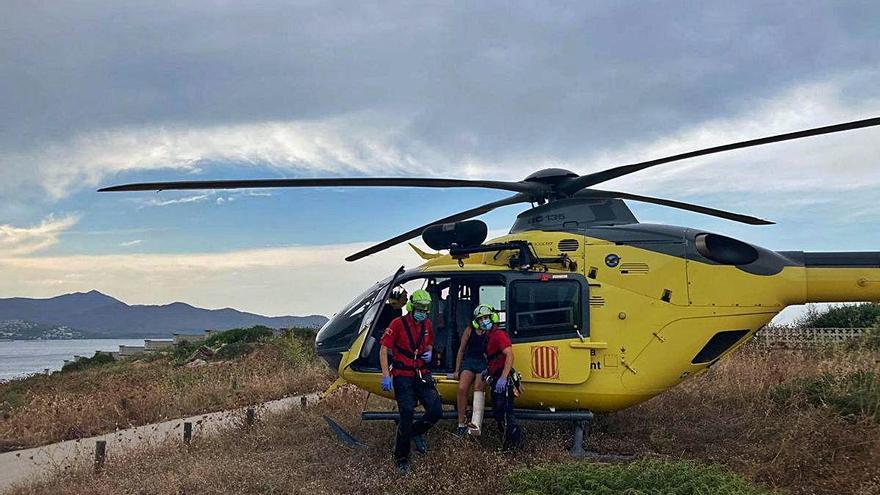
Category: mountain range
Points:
column 96, row 315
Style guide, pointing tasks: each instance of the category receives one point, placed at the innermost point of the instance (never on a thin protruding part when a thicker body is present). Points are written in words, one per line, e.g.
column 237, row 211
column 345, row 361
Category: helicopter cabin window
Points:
column 495, row 296
column 545, row 309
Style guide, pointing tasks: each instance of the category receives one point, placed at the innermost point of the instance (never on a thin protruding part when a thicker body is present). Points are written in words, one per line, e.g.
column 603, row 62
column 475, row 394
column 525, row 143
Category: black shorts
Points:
column 475, row 364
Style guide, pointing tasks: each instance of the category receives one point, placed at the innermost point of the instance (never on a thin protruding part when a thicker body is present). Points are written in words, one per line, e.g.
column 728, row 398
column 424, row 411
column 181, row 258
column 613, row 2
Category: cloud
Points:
column 131, row 243
column 367, row 145
column 274, row 281
column 17, row 241
column 222, row 197
column 481, row 76
column 482, row 90
column 184, row 200
column 350, row 145
column 839, row 162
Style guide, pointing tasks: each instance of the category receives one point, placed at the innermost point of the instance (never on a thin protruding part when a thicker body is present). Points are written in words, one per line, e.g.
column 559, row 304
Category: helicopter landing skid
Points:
column 580, row 419
column 346, row 437
column 581, row 430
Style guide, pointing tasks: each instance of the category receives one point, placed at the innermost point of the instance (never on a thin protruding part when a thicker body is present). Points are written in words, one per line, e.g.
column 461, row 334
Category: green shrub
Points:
column 13, row 394
column 183, row 350
column 233, row 350
column 871, row 338
column 853, row 394
column 99, row 359
column 298, row 345
column 862, row 315
column 250, row 335
column 637, row 478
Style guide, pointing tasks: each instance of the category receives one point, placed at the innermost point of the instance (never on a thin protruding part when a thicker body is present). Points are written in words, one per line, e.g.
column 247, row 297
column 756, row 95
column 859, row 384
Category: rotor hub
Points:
column 551, row 176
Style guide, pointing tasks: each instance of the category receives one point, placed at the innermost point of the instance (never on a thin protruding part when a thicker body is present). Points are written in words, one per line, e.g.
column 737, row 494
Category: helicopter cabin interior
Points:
column 532, row 307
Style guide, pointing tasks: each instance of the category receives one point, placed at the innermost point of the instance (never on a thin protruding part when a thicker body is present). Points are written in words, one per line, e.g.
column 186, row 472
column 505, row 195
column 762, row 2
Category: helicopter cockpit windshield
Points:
column 337, row 335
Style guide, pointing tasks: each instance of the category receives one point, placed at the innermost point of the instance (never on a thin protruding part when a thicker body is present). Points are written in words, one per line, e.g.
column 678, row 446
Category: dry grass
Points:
column 64, row 406
column 727, row 417
column 724, row 417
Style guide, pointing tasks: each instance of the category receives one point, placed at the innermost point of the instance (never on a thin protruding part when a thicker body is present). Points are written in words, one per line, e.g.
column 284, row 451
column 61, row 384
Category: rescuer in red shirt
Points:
column 500, row 376
column 410, row 340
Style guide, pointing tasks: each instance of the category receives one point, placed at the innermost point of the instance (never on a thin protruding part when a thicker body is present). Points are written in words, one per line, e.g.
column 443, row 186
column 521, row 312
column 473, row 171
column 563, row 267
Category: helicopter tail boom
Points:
column 842, row 277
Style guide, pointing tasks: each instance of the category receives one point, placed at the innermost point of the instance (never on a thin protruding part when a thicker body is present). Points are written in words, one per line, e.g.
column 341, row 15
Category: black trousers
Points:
column 408, row 391
column 502, row 411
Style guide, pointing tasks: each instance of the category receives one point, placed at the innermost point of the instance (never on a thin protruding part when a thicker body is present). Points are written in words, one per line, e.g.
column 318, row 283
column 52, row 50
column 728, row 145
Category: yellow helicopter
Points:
column 604, row 312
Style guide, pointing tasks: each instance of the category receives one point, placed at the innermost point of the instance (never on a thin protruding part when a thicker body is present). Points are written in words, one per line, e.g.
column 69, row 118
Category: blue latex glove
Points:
column 386, row 383
column 501, row 386
column 426, row 356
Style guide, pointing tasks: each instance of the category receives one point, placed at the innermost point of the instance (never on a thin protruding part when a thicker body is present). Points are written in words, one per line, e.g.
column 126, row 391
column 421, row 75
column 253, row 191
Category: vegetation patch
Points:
column 864, row 315
column 870, row 339
column 853, row 394
column 182, row 351
column 637, row 478
column 722, row 418
column 96, row 395
column 240, row 335
column 234, row 350
column 99, row 359
column 298, row 345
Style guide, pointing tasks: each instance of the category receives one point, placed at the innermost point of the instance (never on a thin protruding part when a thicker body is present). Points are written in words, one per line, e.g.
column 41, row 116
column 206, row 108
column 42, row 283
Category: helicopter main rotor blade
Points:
column 521, row 187
column 473, row 212
column 612, row 173
column 705, row 210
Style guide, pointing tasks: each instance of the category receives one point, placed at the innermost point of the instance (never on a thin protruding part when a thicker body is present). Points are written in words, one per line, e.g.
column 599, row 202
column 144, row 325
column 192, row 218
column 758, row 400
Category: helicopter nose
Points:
column 329, row 353
column 331, row 358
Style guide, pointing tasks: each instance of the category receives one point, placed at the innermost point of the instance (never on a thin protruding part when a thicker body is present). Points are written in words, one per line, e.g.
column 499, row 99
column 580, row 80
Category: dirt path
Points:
column 24, row 465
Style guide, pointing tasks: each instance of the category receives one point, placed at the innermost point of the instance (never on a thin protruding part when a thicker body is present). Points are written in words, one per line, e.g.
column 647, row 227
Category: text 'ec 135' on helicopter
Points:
column 604, row 312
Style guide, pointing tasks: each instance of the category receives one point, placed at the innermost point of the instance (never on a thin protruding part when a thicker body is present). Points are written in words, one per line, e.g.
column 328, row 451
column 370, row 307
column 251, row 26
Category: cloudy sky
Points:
column 98, row 93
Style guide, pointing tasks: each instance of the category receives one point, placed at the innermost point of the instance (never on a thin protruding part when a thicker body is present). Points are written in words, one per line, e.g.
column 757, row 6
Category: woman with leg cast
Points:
column 470, row 364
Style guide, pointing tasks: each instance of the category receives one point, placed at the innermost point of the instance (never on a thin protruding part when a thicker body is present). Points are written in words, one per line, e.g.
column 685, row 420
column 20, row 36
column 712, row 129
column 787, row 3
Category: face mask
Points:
column 419, row 316
column 486, row 324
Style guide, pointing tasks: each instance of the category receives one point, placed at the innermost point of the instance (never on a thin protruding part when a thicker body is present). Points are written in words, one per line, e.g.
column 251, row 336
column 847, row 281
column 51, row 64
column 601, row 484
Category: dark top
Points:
column 476, row 345
column 387, row 314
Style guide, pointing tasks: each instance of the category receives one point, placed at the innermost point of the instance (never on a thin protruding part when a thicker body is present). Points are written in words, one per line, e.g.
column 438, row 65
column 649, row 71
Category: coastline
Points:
column 21, row 358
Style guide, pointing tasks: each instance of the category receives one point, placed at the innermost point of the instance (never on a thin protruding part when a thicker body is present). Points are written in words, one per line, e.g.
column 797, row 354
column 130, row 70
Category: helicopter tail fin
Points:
column 422, row 254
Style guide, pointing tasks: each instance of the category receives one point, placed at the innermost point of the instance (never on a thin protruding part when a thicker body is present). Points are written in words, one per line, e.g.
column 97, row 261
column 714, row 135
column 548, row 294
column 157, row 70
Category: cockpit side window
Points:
column 495, row 296
column 540, row 310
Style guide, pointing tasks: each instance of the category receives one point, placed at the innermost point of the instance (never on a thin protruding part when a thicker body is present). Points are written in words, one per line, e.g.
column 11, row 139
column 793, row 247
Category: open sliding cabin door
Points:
column 548, row 323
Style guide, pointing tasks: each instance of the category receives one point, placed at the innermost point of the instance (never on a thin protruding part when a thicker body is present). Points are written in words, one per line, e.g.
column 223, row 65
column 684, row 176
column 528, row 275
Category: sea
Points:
column 19, row 358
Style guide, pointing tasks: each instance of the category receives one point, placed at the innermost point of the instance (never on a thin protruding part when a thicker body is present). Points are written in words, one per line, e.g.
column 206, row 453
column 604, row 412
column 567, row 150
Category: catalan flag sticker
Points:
column 545, row 362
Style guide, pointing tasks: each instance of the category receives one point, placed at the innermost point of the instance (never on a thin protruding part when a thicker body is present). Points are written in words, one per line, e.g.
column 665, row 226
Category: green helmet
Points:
column 484, row 310
column 419, row 299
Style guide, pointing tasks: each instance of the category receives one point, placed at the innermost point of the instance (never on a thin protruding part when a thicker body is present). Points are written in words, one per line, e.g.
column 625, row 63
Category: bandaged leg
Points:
column 477, row 416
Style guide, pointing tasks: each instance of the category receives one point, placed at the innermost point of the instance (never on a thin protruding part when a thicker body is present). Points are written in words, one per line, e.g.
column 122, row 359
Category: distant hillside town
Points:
column 99, row 316
column 29, row 330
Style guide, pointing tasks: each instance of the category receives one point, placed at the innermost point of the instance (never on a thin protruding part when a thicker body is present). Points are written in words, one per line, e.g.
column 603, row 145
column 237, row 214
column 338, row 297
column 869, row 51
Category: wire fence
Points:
column 788, row 337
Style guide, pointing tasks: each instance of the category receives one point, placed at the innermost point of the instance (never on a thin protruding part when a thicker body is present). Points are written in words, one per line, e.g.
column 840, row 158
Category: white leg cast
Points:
column 477, row 416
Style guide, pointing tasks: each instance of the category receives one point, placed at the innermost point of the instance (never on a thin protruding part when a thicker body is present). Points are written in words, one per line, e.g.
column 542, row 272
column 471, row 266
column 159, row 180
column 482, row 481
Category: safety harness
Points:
column 408, row 359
